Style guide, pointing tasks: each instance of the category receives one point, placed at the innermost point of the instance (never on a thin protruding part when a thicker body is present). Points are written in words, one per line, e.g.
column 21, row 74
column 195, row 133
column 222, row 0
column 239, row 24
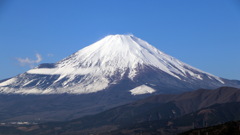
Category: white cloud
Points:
column 29, row 62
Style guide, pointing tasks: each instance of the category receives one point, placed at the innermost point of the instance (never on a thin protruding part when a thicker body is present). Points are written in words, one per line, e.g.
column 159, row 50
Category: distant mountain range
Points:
column 160, row 114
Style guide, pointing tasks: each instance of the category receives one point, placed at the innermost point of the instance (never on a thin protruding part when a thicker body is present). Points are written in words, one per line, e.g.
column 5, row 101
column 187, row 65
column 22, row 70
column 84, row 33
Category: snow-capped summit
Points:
column 121, row 52
column 116, row 60
column 118, row 53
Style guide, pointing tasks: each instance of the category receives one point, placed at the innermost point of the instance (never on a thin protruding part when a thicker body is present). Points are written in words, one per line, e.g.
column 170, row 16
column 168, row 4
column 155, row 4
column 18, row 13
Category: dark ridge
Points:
column 47, row 65
column 228, row 128
column 165, row 114
column 4, row 80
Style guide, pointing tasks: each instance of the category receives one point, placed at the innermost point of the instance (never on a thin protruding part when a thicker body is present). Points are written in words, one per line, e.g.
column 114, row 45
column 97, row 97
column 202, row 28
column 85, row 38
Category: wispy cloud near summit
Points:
column 29, row 62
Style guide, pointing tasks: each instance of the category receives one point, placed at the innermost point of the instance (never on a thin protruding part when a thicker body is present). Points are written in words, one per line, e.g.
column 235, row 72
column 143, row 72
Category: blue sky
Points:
column 201, row 33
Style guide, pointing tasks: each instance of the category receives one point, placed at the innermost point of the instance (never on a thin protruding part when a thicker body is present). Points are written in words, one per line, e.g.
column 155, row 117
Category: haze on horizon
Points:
column 203, row 34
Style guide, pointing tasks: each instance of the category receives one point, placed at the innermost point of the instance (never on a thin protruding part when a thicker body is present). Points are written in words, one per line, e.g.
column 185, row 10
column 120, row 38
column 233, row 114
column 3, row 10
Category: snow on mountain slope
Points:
column 102, row 64
column 143, row 89
column 118, row 52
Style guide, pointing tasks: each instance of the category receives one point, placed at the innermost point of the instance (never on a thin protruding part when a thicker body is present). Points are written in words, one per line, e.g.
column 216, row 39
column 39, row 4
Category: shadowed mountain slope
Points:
column 161, row 114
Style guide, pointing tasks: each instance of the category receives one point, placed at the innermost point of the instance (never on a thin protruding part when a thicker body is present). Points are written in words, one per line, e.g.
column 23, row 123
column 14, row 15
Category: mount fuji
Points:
column 122, row 63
